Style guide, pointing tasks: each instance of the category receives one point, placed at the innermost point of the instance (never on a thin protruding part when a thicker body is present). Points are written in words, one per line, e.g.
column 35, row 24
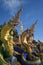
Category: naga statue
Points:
column 27, row 33
column 27, row 38
column 7, row 38
column 7, row 41
column 27, row 53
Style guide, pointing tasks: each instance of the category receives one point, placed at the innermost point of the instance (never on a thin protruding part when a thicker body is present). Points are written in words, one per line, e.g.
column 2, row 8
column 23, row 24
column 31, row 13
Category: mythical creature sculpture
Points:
column 9, row 40
column 28, row 31
column 29, row 46
column 26, row 34
column 5, row 34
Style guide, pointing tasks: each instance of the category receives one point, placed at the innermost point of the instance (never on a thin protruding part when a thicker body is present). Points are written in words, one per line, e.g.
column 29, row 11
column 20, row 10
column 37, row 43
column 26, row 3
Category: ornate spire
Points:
column 31, row 30
column 15, row 20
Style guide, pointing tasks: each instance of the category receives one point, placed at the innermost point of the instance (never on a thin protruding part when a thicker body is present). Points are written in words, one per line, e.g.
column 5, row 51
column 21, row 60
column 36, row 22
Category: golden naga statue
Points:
column 5, row 34
column 28, row 32
column 23, row 38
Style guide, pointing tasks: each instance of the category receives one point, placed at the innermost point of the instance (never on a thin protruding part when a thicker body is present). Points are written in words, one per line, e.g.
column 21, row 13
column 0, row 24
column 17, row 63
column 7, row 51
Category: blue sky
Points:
column 32, row 11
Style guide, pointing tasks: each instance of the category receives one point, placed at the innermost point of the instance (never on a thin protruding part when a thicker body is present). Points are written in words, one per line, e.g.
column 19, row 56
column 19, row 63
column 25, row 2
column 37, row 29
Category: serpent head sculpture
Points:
column 5, row 34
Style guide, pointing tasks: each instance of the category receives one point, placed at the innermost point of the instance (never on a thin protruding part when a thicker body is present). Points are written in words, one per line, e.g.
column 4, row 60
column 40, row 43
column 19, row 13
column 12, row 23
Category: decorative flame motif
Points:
column 31, row 30
column 15, row 20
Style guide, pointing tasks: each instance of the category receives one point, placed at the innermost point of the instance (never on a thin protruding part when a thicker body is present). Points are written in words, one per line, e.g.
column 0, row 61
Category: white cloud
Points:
column 11, row 3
